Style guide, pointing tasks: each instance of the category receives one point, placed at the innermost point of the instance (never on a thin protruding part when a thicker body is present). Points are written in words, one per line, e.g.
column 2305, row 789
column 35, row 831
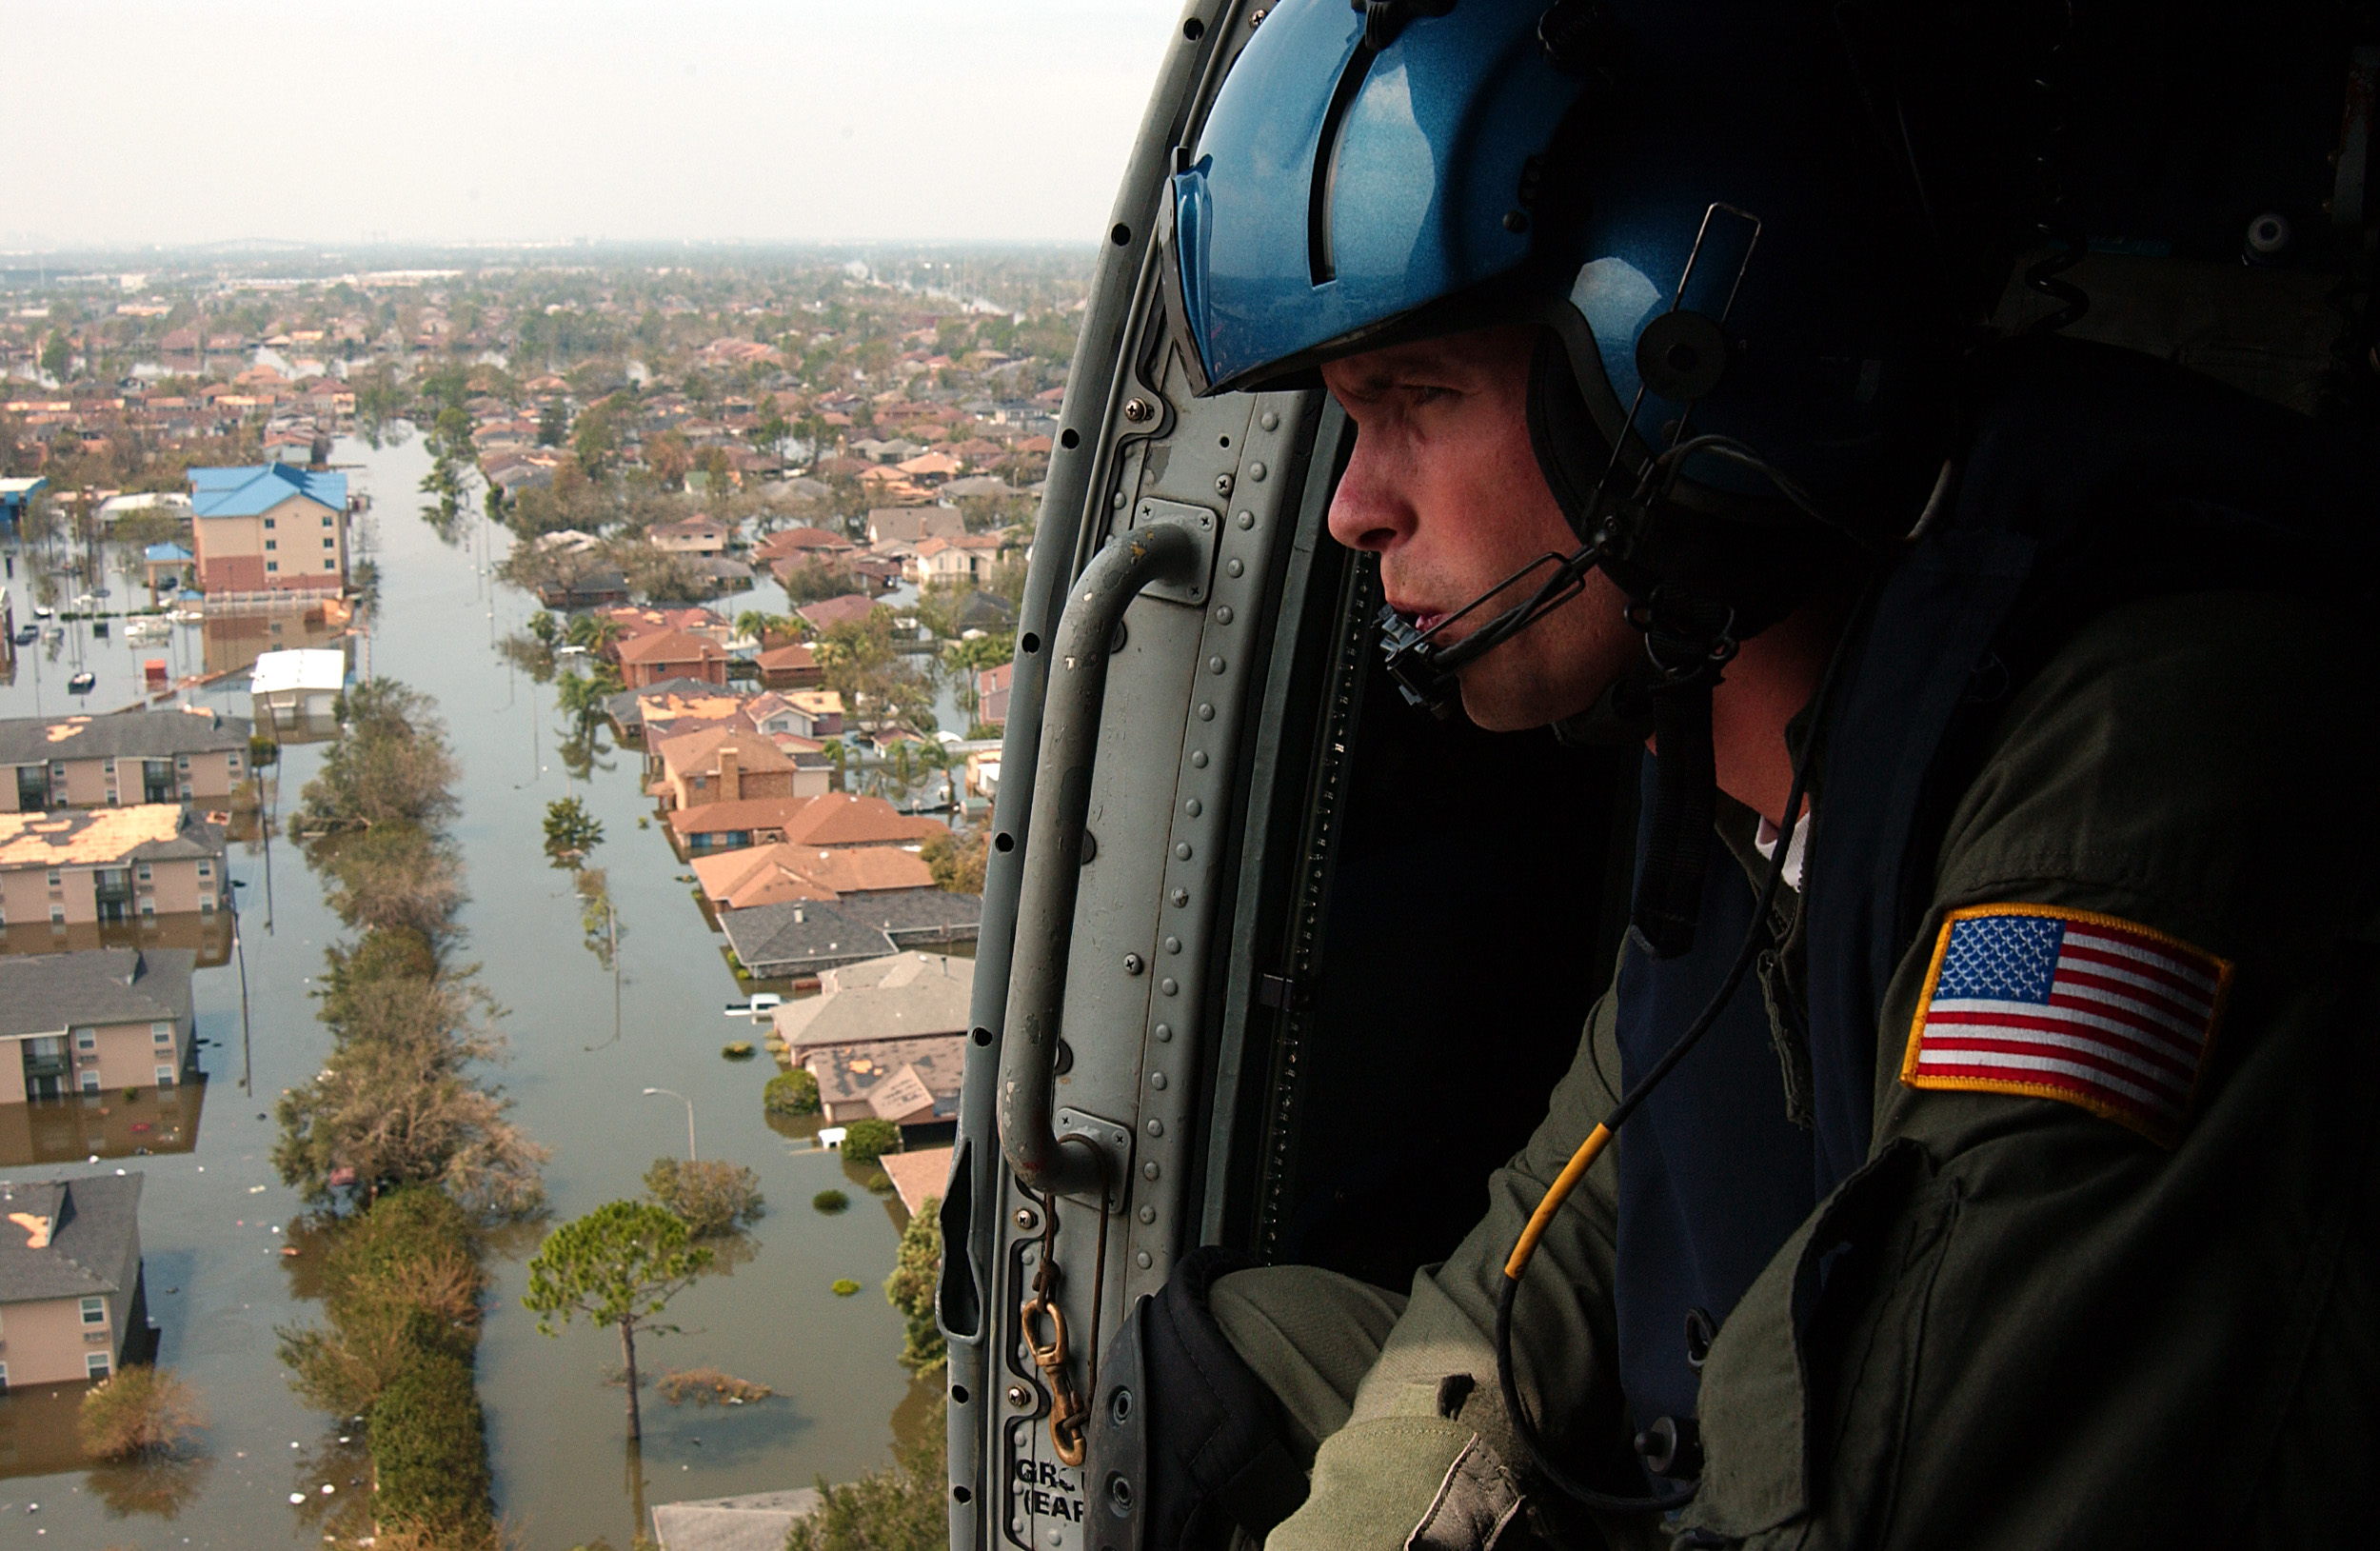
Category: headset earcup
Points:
column 1572, row 454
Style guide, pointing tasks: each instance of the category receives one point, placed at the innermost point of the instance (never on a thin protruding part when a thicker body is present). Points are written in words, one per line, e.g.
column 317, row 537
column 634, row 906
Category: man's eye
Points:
column 1421, row 393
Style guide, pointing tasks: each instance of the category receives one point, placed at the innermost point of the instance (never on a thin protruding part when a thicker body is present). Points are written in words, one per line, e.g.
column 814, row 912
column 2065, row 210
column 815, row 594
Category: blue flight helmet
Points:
column 1690, row 197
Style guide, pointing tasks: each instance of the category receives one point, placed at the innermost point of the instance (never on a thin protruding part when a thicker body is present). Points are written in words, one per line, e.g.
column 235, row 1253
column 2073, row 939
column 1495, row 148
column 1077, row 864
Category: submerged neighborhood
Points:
column 745, row 545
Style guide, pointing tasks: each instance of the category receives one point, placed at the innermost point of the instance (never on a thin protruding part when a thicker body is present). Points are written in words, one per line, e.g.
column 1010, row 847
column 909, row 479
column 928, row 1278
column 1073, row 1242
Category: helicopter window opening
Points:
column 1028, row 641
column 1003, row 842
column 1490, row 870
column 1223, row 441
column 1122, row 237
column 1068, row 439
column 1194, row 30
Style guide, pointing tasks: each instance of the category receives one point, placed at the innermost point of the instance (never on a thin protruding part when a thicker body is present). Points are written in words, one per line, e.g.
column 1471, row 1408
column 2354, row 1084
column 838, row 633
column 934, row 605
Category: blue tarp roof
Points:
column 256, row 489
column 158, row 554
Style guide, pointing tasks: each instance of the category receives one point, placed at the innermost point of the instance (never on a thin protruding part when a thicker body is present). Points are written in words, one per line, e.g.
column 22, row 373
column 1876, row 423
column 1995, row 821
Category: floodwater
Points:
column 214, row 1218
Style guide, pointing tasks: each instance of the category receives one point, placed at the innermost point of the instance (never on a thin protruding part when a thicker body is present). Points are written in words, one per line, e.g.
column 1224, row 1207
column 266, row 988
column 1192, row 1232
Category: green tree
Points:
column 56, row 355
column 593, row 442
column 140, row 1410
column 553, row 423
column 396, row 1104
column 958, row 859
column 545, row 627
column 619, row 1266
column 569, row 828
column 772, row 430
column 911, row 1289
column 791, row 1093
column 857, row 660
column 391, row 763
column 866, row 1140
column 905, row 1508
column 712, row 1197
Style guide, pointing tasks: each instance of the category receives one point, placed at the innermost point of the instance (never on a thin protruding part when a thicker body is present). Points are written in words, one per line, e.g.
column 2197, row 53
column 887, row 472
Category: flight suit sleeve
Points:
column 1426, row 1455
column 2023, row 1323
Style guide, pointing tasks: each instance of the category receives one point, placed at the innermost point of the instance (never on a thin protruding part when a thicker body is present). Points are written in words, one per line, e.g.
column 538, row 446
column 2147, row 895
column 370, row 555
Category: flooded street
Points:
column 214, row 1219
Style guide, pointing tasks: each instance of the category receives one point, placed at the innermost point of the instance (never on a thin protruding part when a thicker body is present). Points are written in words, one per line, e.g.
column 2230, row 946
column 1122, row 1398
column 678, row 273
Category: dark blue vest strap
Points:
column 1713, row 1177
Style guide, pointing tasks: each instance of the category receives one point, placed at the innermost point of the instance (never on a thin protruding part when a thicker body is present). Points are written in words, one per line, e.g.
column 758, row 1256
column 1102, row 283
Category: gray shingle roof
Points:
column 900, row 996
column 93, row 1222
column 774, row 941
column 25, row 740
column 44, row 993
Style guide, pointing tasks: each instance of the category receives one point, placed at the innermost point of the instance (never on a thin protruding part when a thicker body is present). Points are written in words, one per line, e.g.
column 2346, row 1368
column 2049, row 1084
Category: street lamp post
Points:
column 689, row 1117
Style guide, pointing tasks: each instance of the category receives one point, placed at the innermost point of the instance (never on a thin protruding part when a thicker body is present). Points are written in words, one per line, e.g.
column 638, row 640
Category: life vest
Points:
column 2089, row 478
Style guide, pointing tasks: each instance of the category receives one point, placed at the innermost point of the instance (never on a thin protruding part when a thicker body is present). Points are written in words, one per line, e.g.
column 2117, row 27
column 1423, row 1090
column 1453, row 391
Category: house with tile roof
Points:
column 719, row 765
column 74, row 1304
column 671, row 655
column 800, row 543
column 844, row 818
column 780, row 873
column 726, row 827
column 267, row 527
column 790, row 666
column 849, row 609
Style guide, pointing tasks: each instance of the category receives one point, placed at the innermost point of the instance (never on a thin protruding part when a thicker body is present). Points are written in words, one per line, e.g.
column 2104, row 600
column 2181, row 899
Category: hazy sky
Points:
column 179, row 121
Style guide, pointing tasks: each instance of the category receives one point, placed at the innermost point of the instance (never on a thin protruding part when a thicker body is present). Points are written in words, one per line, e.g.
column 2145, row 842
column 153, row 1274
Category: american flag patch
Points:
column 2066, row 1005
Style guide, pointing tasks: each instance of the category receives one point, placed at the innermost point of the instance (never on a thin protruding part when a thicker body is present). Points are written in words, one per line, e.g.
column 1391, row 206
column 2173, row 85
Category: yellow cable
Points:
column 1563, row 1184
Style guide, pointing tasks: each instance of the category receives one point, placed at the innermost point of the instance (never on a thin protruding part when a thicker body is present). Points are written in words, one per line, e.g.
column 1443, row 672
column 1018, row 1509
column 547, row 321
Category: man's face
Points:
column 1444, row 487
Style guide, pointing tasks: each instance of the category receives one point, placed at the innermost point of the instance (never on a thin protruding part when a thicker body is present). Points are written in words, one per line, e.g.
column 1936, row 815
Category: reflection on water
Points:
column 163, row 1485
column 234, row 641
column 106, row 1125
column 37, row 1430
column 210, row 937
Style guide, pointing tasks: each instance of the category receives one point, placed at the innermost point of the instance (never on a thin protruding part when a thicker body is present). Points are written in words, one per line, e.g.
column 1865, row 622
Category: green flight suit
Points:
column 2070, row 1335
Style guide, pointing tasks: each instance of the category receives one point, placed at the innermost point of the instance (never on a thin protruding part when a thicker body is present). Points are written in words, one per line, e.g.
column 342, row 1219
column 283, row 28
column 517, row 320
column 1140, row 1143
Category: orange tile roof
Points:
column 843, row 819
column 745, row 813
column 670, row 646
column 700, row 750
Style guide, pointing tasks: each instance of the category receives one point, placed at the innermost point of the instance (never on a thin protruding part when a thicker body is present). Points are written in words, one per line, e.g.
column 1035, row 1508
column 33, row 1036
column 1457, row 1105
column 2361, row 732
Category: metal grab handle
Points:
column 1053, row 863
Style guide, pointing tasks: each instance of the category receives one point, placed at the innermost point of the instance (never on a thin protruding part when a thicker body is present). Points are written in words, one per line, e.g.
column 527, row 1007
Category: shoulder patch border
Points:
column 2132, row 1117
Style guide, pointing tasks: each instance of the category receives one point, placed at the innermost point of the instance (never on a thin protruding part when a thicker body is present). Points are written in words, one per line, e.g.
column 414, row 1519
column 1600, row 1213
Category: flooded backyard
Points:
column 214, row 1219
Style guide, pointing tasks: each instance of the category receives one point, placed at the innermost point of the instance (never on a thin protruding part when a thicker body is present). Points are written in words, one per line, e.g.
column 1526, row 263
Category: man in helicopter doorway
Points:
column 1990, row 1055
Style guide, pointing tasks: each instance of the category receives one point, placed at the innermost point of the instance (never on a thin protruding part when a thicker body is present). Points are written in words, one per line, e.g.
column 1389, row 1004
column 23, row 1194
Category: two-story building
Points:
column 122, row 760
column 719, row 765
column 96, row 1021
column 74, row 1304
column 267, row 527
column 671, row 655
column 110, row 863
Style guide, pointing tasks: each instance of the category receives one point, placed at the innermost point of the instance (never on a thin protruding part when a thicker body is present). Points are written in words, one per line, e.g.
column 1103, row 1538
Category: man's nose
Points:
column 1371, row 508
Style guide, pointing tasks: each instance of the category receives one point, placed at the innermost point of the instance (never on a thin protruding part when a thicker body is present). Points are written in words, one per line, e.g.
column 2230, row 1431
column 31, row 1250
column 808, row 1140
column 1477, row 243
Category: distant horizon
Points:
column 538, row 125
column 267, row 248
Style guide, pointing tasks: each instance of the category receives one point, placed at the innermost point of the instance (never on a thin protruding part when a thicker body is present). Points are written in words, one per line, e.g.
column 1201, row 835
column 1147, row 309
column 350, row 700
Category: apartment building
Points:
column 96, row 1021
column 109, row 863
column 73, row 1300
column 268, row 527
column 121, row 760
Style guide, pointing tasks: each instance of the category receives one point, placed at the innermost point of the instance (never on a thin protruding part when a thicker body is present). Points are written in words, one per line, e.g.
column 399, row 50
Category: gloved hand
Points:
column 1418, row 1477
